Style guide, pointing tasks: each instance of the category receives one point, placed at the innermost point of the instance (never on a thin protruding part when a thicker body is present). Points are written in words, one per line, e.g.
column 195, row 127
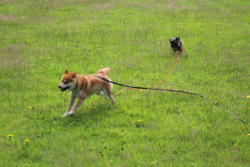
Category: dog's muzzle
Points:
column 63, row 88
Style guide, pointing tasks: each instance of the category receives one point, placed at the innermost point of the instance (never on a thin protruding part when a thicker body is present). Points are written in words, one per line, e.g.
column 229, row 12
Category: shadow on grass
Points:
column 88, row 115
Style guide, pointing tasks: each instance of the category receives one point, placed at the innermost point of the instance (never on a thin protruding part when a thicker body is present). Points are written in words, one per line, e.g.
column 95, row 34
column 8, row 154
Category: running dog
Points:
column 83, row 86
column 177, row 46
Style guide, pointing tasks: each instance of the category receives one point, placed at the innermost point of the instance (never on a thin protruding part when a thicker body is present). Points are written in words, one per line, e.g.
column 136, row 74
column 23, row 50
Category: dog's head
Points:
column 175, row 43
column 68, row 81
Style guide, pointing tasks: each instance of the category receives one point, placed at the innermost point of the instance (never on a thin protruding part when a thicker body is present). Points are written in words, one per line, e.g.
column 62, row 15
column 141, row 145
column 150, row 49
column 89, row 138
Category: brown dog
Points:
column 83, row 86
column 177, row 46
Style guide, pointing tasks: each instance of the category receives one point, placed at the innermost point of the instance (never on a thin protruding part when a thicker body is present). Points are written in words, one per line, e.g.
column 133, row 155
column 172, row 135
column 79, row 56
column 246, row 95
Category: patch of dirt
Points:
column 14, row 48
column 11, row 57
column 16, row 19
column 167, row 5
column 82, row 0
column 10, row 61
column 103, row 6
column 36, row 19
column 6, row 18
column 140, row 5
column 170, row 6
column 9, row 1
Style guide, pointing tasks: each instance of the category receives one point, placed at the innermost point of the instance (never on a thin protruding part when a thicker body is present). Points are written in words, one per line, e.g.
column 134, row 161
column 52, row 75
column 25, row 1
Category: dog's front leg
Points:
column 78, row 104
column 71, row 102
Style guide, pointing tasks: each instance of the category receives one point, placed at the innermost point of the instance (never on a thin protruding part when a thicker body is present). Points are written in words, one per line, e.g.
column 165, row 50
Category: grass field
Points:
column 40, row 39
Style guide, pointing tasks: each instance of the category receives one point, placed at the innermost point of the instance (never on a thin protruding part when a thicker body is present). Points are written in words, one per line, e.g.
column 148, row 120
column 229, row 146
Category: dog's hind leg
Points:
column 109, row 92
column 103, row 93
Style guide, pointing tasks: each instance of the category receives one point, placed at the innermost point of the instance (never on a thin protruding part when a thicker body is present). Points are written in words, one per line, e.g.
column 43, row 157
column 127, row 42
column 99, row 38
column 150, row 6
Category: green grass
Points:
column 41, row 39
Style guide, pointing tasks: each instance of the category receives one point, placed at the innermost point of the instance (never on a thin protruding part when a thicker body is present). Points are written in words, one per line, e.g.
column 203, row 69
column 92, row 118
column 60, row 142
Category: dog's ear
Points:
column 74, row 75
column 66, row 71
column 178, row 38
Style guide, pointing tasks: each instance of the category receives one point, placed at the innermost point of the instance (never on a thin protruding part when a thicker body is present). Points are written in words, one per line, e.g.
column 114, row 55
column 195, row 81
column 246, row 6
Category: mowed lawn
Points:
column 40, row 39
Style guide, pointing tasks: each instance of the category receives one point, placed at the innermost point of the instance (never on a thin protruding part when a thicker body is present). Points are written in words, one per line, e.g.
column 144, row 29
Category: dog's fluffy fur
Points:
column 177, row 46
column 83, row 86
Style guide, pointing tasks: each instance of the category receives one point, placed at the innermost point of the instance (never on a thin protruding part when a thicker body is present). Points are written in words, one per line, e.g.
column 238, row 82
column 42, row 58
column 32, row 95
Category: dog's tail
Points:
column 104, row 71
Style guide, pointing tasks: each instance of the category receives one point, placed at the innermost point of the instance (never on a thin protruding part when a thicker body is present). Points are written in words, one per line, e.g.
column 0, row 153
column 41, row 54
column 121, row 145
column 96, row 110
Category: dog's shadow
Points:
column 87, row 114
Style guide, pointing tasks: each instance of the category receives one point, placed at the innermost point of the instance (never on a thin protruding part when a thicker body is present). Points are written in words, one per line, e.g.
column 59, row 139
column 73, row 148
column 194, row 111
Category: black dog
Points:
column 177, row 46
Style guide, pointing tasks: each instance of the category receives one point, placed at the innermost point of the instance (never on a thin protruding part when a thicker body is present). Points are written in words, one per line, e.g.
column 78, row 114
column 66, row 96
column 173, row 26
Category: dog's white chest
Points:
column 77, row 94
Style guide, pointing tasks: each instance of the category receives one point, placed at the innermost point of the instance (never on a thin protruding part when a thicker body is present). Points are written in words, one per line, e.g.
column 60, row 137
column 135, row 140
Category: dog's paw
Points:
column 65, row 114
column 70, row 113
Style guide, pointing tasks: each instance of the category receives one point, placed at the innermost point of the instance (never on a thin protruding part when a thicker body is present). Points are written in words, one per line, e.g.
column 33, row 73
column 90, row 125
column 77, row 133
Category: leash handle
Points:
column 138, row 87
